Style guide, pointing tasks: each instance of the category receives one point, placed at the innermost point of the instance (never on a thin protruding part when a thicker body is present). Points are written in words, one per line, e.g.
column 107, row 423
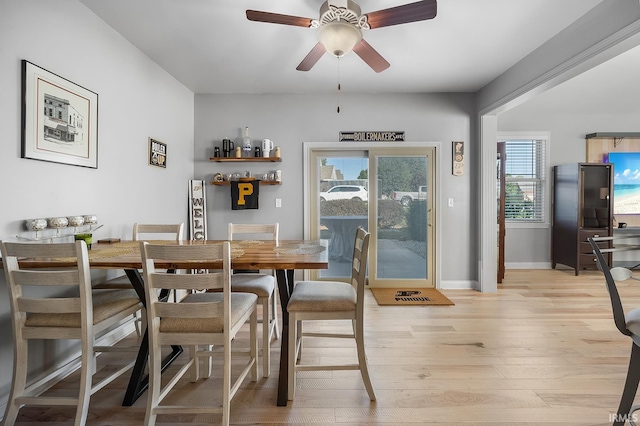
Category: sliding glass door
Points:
column 403, row 214
column 390, row 193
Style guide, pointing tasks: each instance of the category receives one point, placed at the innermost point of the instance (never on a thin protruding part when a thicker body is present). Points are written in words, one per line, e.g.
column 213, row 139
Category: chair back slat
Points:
column 212, row 280
column 35, row 277
column 254, row 229
column 50, row 305
column 143, row 231
column 168, row 252
column 39, row 251
column 614, row 296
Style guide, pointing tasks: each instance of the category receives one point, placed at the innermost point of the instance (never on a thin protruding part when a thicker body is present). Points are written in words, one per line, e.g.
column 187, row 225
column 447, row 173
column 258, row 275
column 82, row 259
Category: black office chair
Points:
column 628, row 324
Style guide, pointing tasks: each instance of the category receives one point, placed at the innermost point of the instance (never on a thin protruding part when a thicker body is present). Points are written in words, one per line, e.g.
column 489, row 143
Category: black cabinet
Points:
column 582, row 208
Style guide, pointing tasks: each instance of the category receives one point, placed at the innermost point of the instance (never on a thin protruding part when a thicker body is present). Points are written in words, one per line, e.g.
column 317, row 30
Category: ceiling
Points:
column 211, row 47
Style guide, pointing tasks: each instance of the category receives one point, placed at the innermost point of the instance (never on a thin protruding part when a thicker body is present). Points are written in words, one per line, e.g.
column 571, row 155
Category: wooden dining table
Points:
column 283, row 256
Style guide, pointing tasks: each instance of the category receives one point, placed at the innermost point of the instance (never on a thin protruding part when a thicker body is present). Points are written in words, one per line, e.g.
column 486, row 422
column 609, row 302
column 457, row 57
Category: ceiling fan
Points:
column 340, row 28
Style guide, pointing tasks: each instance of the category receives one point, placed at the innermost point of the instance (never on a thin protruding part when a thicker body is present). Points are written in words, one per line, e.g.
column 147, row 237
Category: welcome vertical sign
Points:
column 197, row 214
column 197, row 210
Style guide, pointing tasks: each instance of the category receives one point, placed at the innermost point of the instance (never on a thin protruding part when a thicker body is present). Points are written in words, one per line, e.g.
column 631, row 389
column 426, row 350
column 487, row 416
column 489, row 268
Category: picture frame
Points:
column 457, row 158
column 157, row 153
column 59, row 119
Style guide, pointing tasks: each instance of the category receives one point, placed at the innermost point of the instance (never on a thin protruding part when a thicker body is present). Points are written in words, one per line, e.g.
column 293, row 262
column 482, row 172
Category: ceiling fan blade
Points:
column 276, row 18
column 371, row 56
column 412, row 12
column 312, row 57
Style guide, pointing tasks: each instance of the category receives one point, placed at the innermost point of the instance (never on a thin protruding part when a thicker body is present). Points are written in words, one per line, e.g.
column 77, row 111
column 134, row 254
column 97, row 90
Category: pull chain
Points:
column 338, row 85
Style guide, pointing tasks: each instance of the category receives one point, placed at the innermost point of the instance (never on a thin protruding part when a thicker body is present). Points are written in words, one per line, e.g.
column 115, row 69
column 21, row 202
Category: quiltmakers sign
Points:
column 371, row 136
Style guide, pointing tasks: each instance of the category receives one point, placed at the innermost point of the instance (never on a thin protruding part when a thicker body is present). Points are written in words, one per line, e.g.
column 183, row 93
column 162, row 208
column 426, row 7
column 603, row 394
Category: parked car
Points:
column 406, row 197
column 345, row 192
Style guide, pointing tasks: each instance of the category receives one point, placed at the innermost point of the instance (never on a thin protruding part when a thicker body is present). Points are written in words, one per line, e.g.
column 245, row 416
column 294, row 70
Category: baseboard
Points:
column 527, row 265
column 458, row 285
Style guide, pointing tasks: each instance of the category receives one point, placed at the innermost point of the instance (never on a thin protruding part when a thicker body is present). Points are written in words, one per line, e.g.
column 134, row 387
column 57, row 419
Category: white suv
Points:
column 345, row 192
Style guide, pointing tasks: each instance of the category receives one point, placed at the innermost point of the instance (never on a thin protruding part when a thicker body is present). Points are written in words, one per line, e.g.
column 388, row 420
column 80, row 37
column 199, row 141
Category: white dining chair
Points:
column 59, row 304
column 330, row 301
column 261, row 284
column 202, row 321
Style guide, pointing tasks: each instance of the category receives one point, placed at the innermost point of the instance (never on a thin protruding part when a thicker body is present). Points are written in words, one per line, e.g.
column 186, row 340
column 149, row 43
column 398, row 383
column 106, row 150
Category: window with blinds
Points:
column 525, row 180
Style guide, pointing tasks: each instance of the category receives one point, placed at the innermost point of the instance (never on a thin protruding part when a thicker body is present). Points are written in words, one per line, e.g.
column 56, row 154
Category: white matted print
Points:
column 59, row 119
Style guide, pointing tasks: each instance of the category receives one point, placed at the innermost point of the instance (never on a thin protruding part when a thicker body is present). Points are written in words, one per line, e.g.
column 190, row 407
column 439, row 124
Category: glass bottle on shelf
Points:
column 247, row 148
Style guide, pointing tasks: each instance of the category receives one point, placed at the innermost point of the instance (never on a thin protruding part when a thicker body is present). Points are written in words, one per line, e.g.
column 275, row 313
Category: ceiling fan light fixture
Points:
column 339, row 37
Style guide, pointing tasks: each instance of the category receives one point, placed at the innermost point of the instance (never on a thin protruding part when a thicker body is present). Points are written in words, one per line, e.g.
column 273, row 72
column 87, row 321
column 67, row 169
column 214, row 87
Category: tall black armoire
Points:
column 582, row 208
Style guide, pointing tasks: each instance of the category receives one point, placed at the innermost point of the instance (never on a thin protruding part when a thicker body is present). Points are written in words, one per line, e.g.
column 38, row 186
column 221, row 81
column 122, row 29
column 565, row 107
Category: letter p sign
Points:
column 244, row 190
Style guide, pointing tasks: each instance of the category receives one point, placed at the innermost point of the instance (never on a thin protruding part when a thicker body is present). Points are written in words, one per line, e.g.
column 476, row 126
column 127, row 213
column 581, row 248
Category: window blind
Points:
column 525, row 180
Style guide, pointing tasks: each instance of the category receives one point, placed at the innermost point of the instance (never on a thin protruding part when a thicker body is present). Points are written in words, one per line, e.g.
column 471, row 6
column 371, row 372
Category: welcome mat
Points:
column 409, row 296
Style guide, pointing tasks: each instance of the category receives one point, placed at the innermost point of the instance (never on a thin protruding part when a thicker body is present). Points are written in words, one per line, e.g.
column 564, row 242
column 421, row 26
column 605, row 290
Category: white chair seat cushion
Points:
column 106, row 303
column 632, row 318
column 260, row 284
column 322, row 296
column 241, row 303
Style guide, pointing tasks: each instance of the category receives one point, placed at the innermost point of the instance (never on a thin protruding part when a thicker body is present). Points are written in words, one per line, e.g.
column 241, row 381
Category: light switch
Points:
column 450, row 202
column 278, row 202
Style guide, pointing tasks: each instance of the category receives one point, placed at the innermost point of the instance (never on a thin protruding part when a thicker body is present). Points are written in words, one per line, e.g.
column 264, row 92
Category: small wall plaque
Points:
column 457, row 158
column 157, row 153
column 369, row 136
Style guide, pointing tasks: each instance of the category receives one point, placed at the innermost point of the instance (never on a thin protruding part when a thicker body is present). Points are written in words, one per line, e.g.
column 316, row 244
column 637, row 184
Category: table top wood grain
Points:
column 257, row 254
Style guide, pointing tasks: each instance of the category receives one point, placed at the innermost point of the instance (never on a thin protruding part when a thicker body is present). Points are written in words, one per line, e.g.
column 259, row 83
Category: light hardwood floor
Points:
column 543, row 350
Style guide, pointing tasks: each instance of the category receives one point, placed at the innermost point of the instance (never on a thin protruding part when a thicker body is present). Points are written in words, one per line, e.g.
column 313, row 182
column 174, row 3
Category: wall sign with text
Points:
column 157, row 153
column 245, row 195
column 371, row 136
column 197, row 215
column 197, row 210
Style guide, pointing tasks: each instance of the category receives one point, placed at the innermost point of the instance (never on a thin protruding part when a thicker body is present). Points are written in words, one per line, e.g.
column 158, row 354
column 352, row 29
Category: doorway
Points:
column 501, row 190
column 390, row 192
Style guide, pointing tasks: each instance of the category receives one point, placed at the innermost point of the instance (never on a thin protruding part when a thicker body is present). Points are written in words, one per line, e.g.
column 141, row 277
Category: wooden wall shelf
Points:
column 262, row 182
column 246, row 159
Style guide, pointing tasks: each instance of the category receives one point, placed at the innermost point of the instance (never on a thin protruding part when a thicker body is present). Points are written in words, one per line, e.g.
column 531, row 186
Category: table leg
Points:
column 285, row 287
column 139, row 381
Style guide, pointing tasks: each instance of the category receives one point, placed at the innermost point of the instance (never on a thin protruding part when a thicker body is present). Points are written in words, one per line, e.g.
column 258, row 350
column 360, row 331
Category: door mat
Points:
column 409, row 296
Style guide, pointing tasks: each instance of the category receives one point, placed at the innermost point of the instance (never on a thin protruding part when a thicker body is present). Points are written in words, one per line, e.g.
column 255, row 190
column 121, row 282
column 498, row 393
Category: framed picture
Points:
column 59, row 119
column 457, row 158
column 157, row 153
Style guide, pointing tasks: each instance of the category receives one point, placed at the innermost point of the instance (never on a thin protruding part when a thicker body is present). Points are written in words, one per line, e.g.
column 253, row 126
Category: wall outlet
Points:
column 450, row 202
column 278, row 202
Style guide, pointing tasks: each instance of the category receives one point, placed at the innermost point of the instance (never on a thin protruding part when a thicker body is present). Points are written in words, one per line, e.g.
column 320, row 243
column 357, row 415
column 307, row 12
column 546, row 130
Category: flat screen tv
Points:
column 626, row 182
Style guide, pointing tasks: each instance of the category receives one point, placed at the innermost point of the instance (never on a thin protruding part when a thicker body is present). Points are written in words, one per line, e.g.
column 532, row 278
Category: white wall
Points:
column 290, row 120
column 137, row 100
